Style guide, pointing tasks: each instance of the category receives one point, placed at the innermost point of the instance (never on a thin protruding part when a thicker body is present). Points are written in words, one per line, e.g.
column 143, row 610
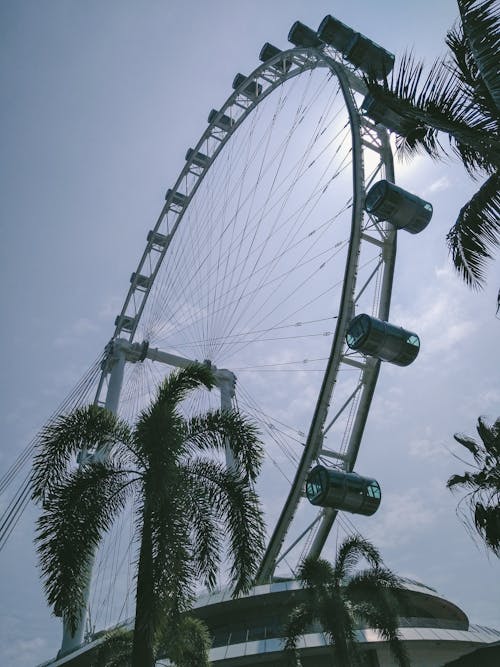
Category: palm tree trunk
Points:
column 341, row 651
column 143, row 644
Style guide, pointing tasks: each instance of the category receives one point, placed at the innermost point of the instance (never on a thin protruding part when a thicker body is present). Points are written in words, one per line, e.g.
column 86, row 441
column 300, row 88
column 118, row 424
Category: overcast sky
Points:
column 100, row 100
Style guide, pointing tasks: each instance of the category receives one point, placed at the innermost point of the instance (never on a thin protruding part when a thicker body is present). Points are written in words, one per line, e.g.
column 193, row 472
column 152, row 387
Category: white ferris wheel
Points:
column 269, row 262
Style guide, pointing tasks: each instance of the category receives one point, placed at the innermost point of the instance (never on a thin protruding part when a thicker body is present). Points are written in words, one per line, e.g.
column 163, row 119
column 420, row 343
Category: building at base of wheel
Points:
column 248, row 631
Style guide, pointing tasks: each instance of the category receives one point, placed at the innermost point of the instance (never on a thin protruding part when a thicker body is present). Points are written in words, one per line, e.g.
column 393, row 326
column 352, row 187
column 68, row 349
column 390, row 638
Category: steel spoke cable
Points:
column 16, row 507
column 240, row 195
column 183, row 247
column 210, row 226
column 304, row 239
column 14, row 510
column 284, row 363
column 291, row 294
column 252, row 404
column 292, row 290
column 262, row 208
column 73, row 398
column 293, row 185
column 286, row 275
column 276, row 278
column 266, row 330
column 301, row 308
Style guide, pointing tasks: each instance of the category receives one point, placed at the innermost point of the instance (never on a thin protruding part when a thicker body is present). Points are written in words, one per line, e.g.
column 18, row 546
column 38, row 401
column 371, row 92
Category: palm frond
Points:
column 114, row 651
column 379, row 596
column 434, row 103
column 218, row 429
column 481, row 24
column 176, row 386
column 469, row 443
column 206, row 532
column 186, row 642
column 490, row 435
column 350, row 552
column 480, row 507
column 174, row 573
column 75, row 517
column 84, row 429
column 238, row 506
column 382, row 619
column 299, row 620
column 465, row 69
column 487, row 523
column 476, row 231
column 466, row 480
column 317, row 574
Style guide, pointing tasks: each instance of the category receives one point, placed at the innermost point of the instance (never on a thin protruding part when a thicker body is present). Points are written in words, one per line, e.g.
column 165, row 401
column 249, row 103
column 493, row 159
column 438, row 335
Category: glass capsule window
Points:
column 413, row 340
column 357, row 332
column 314, row 487
column 373, row 490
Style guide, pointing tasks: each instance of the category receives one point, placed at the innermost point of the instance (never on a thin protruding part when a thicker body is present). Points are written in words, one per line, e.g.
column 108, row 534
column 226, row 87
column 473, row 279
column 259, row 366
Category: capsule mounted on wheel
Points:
column 346, row 491
column 386, row 201
column 382, row 340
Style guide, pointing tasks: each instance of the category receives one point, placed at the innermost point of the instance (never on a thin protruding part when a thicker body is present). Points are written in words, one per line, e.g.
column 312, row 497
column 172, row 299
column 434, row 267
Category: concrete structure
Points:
column 247, row 631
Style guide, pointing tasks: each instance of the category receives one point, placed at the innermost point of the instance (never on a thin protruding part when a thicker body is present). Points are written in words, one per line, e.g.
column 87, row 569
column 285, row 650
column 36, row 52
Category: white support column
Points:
column 226, row 381
column 120, row 352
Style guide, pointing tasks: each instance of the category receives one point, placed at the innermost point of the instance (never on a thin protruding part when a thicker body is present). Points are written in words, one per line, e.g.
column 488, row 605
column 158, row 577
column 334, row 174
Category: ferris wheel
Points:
column 266, row 254
column 272, row 261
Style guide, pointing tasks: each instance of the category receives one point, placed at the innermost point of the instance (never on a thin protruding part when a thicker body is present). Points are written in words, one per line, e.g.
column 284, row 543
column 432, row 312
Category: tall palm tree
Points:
column 482, row 483
column 189, row 507
column 460, row 98
column 337, row 597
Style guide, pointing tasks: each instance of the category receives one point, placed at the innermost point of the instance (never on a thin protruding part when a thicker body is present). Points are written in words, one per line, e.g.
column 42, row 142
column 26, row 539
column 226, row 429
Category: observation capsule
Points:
column 382, row 340
column 252, row 90
column 387, row 201
column 269, row 51
column 302, row 35
column 368, row 56
column 346, row 491
column 387, row 117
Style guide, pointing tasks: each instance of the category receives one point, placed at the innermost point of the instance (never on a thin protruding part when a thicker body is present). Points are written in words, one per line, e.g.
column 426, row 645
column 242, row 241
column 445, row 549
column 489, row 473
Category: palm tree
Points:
column 187, row 644
column 337, row 597
column 483, row 482
column 460, row 98
column 189, row 507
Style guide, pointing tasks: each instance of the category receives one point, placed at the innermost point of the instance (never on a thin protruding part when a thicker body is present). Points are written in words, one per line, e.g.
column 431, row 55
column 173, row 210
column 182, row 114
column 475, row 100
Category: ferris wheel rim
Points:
column 304, row 59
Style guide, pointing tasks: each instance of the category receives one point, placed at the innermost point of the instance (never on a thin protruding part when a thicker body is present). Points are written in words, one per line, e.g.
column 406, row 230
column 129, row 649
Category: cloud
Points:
column 21, row 652
column 79, row 329
column 442, row 317
column 403, row 518
column 427, row 447
column 438, row 185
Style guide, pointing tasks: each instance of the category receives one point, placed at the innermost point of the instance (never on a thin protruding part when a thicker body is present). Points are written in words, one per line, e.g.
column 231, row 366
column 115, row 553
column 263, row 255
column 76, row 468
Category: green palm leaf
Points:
column 337, row 601
column 476, row 231
column 218, row 429
column 481, row 23
column 480, row 507
column 76, row 516
column 85, row 429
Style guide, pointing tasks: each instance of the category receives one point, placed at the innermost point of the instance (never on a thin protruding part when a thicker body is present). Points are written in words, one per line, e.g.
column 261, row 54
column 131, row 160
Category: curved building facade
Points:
column 248, row 631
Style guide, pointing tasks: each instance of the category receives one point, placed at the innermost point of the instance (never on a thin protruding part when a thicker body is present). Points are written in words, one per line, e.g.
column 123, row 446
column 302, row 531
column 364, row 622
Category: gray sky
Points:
column 100, row 102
